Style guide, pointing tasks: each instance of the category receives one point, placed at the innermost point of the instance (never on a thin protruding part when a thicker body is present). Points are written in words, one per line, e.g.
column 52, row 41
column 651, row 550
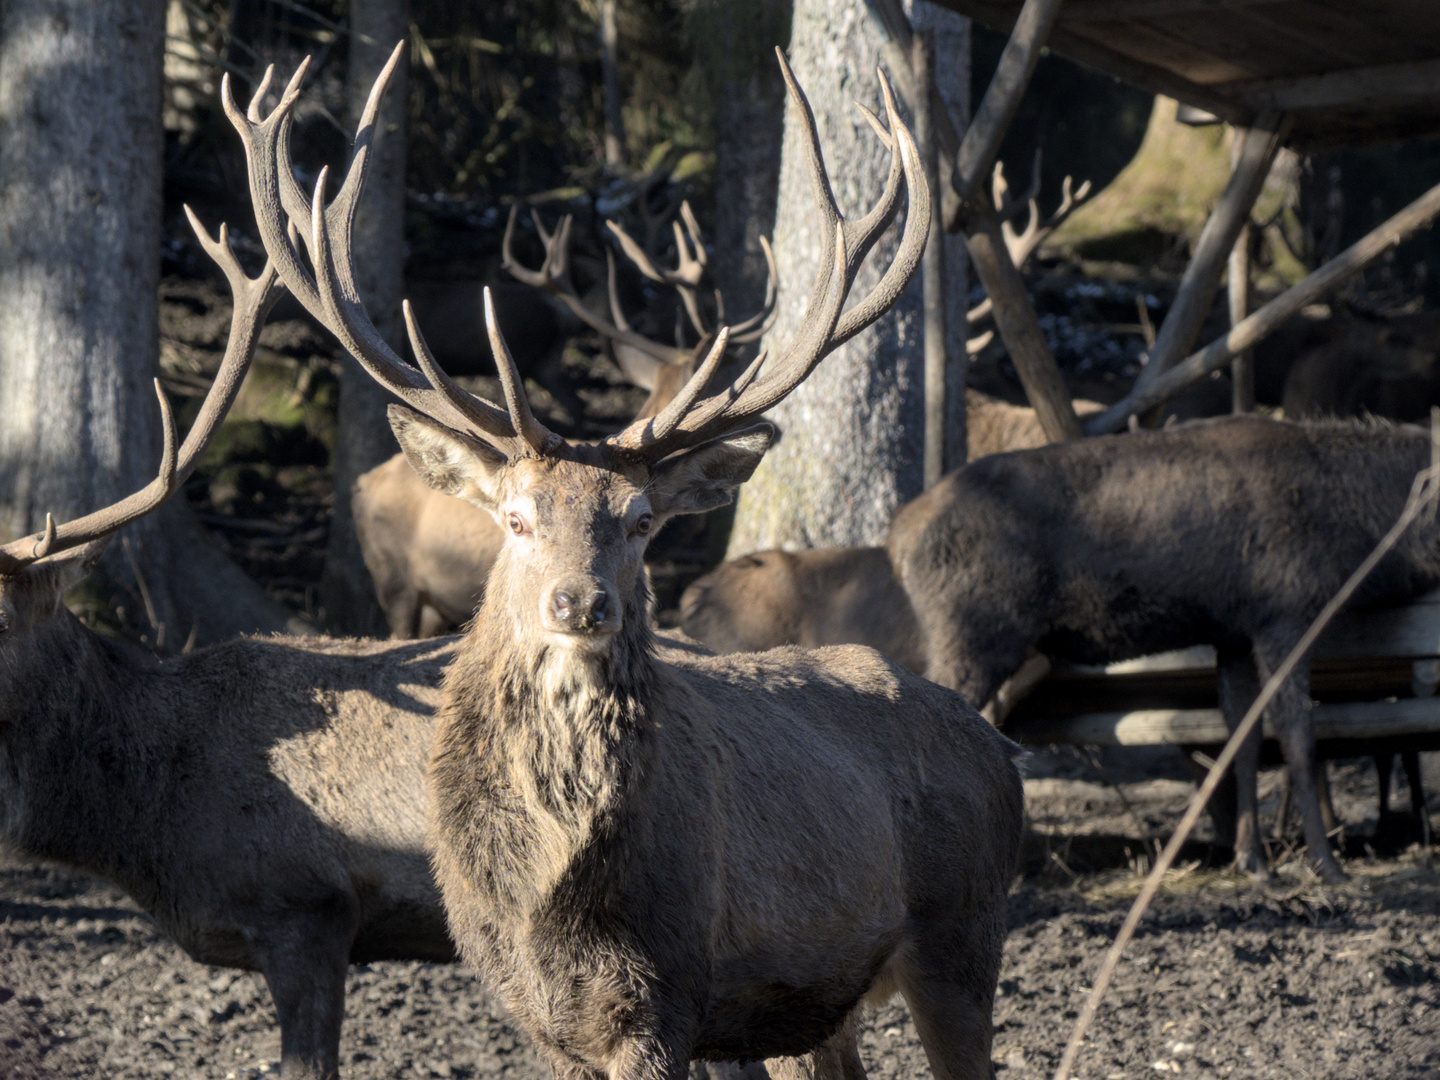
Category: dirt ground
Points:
column 1225, row 979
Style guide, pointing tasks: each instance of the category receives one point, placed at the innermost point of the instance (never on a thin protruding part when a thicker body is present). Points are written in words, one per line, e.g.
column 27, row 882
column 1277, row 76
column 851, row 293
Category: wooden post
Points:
column 1202, row 277
column 1254, row 327
column 1242, row 369
column 1002, row 97
column 932, row 264
column 1019, row 327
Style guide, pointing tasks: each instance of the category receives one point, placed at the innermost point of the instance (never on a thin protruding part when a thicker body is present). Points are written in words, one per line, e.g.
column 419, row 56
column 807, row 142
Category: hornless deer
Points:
column 1232, row 533
column 428, row 553
column 263, row 799
column 837, row 596
column 657, row 858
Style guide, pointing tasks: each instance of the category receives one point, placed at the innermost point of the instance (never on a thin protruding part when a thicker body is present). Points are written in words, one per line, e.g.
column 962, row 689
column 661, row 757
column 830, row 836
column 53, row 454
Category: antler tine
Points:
column 617, row 315
column 346, row 318
column 536, row 435
column 905, row 159
column 759, row 324
column 644, row 431
column 553, row 277
column 253, row 298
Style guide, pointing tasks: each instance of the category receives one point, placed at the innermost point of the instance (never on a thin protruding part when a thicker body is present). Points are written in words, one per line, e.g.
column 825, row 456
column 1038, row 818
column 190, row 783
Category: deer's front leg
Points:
column 1295, row 729
column 306, row 960
column 1238, row 689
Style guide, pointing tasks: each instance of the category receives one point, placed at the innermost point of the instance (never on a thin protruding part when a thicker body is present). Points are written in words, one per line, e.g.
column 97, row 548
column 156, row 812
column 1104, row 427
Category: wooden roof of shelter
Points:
column 1348, row 71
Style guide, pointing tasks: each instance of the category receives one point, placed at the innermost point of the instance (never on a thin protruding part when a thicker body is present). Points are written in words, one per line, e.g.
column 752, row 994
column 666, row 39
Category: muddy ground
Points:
column 1225, row 979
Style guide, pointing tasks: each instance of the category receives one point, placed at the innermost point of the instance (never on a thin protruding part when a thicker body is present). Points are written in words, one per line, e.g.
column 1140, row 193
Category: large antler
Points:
column 688, row 419
column 282, row 212
column 253, row 299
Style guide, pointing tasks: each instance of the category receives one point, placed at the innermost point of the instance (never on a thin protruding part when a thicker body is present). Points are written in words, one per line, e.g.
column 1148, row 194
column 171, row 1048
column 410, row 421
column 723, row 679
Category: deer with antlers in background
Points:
column 653, row 858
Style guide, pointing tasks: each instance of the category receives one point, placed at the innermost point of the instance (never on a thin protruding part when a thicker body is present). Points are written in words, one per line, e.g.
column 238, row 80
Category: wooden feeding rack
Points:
column 1302, row 73
column 1374, row 676
column 1347, row 72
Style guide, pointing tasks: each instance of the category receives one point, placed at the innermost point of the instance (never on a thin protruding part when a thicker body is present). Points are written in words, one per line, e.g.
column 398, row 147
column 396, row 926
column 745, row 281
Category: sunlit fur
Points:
column 653, row 854
column 1231, row 532
column 262, row 799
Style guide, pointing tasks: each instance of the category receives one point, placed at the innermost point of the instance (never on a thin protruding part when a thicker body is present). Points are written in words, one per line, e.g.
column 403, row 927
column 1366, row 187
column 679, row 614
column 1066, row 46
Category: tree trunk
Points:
column 734, row 43
column 363, row 438
column 80, row 227
column 952, row 78
column 851, row 435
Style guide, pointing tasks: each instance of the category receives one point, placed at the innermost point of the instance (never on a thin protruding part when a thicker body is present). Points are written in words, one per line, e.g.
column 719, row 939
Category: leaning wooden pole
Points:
column 1015, row 316
column 1254, row 327
column 1201, row 280
column 1242, row 368
column 932, row 264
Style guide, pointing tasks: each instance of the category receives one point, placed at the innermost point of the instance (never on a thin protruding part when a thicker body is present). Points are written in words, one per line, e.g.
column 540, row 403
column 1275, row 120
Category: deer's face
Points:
column 576, row 526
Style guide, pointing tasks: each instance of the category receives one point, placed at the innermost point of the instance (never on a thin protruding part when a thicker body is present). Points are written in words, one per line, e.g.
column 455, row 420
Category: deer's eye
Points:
column 516, row 523
column 642, row 524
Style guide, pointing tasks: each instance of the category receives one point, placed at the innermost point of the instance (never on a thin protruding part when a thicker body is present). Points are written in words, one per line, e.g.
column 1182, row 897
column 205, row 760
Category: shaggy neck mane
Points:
column 538, row 741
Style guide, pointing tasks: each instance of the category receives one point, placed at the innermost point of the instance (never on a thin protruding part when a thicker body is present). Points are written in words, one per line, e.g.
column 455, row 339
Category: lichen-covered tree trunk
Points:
column 734, row 42
column 80, row 210
column 851, row 435
column 363, row 438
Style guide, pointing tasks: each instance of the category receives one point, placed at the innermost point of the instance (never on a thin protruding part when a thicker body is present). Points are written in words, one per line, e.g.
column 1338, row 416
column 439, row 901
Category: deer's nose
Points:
column 580, row 610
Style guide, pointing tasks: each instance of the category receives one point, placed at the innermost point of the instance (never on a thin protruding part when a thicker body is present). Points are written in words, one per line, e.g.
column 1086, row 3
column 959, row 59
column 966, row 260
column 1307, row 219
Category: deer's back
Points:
column 1149, row 539
column 290, row 772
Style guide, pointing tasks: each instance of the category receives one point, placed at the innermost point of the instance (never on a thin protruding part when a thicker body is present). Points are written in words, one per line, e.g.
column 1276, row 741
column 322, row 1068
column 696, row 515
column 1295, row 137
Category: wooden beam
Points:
column 1221, row 351
column 1242, row 368
column 1347, row 89
column 1018, row 325
column 1113, row 10
column 997, row 109
column 932, row 263
column 1202, row 276
column 1179, row 727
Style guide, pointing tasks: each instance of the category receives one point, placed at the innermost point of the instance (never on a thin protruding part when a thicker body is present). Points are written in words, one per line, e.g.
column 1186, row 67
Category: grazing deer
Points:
column 656, row 858
column 837, row 596
column 428, row 553
column 262, row 799
column 1232, row 533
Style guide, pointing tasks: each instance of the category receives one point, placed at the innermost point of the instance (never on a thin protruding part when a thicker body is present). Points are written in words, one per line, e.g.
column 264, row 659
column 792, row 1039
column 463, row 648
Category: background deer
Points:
column 263, row 800
column 651, row 858
column 1231, row 533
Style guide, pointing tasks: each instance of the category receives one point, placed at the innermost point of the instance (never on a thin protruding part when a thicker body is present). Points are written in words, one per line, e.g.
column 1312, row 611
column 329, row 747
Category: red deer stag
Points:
column 656, row 858
column 263, row 799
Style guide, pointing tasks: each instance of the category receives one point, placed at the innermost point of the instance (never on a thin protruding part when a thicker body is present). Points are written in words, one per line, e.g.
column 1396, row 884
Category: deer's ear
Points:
column 707, row 476
column 448, row 461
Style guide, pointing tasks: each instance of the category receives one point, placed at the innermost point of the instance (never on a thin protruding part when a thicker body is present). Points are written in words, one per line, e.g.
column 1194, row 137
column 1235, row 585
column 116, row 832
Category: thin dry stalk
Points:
column 155, row 623
column 1422, row 495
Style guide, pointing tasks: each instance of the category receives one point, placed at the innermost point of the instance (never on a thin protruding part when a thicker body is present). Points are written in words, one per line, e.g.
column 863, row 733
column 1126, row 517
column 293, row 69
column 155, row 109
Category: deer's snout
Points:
column 582, row 608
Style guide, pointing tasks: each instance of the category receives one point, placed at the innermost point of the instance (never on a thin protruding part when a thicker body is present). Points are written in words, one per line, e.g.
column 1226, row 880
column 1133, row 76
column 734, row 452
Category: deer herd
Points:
column 655, row 850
